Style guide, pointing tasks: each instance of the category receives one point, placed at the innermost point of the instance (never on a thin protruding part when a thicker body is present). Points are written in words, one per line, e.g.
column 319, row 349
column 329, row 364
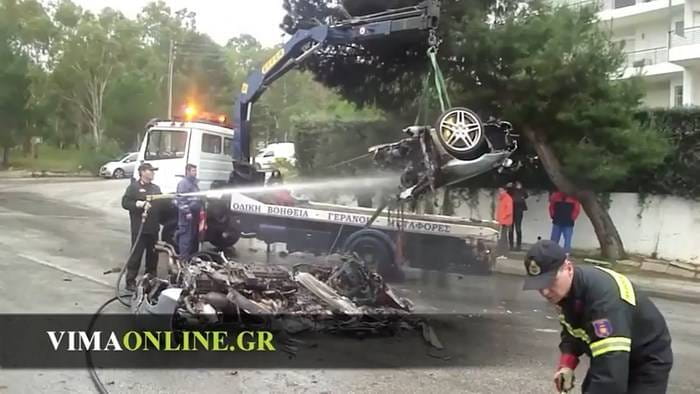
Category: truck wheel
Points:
column 225, row 240
column 223, row 235
column 375, row 253
column 461, row 132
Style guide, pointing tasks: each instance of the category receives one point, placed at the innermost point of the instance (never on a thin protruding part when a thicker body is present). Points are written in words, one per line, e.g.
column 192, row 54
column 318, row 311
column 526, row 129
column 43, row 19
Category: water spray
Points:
column 382, row 181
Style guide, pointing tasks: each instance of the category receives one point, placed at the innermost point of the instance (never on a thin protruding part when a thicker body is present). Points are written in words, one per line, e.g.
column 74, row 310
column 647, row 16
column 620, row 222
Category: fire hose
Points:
column 99, row 385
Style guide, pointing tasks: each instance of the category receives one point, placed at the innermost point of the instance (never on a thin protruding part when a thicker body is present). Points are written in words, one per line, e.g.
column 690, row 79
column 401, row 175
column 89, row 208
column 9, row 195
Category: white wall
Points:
column 675, row 81
column 691, row 86
column 657, row 95
column 666, row 226
column 653, row 34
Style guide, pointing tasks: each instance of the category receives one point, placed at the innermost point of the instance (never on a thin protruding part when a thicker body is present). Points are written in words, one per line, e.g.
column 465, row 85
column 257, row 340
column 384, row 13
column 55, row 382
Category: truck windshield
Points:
column 166, row 144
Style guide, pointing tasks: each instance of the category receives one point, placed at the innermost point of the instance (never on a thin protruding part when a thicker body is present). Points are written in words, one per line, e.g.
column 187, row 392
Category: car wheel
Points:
column 461, row 132
column 118, row 174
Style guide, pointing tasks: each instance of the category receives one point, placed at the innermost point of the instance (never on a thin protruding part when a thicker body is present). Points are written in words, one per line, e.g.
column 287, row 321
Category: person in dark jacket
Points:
column 134, row 200
column 275, row 178
column 604, row 316
column 519, row 196
column 564, row 210
column 188, row 208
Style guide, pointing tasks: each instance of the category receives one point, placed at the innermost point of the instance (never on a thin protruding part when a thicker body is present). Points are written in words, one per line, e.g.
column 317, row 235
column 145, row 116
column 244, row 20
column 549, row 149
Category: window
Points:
column 166, row 144
column 678, row 96
column 211, row 144
column 679, row 28
column 228, row 143
column 623, row 3
column 131, row 158
column 269, row 154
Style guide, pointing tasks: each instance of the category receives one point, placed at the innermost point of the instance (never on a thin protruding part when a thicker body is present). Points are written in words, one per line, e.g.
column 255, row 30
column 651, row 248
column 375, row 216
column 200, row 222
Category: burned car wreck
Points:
column 459, row 147
column 211, row 289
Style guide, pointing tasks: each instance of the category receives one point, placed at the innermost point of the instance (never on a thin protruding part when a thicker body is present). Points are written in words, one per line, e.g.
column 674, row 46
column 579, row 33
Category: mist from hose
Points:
column 384, row 181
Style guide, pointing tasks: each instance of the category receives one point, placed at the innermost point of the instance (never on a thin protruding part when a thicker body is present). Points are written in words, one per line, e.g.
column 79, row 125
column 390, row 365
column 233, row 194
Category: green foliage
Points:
column 50, row 158
column 288, row 170
column 546, row 69
column 678, row 174
column 92, row 156
column 74, row 73
column 321, row 146
column 14, row 89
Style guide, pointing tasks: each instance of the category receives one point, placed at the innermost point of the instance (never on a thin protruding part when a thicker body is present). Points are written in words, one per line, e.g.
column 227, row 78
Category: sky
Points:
column 220, row 19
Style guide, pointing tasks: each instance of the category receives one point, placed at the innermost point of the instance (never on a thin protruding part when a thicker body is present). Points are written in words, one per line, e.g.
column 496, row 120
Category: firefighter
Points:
column 134, row 200
column 604, row 316
column 189, row 208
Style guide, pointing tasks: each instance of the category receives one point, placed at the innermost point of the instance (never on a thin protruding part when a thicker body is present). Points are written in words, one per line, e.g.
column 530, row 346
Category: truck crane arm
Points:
column 421, row 17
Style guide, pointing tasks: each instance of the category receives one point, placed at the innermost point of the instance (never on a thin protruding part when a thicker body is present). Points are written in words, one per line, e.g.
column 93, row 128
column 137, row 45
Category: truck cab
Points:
column 171, row 145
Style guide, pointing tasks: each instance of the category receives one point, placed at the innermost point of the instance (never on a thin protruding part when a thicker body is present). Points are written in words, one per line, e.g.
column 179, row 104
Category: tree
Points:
column 547, row 69
column 14, row 94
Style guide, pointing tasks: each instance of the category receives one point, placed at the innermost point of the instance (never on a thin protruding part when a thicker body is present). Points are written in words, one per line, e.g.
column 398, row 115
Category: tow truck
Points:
column 459, row 146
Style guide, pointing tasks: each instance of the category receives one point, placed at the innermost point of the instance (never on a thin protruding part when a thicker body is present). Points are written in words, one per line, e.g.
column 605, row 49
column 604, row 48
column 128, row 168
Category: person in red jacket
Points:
column 504, row 217
column 564, row 210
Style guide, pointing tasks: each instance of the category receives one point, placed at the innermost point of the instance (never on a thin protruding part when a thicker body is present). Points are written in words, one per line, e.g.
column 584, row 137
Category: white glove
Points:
column 140, row 204
column 564, row 380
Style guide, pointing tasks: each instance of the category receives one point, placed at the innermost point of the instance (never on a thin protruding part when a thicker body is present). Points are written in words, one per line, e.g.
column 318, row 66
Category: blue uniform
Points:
column 187, row 228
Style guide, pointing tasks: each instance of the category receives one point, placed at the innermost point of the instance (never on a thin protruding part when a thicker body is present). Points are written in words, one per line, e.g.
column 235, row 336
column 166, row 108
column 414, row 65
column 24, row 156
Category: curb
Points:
column 29, row 174
column 674, row 289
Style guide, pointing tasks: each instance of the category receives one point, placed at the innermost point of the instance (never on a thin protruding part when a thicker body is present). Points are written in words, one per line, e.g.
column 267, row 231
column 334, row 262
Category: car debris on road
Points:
column 211, row 289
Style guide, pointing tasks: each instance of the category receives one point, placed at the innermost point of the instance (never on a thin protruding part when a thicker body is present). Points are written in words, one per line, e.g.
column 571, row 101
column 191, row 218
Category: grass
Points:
column 50, row 158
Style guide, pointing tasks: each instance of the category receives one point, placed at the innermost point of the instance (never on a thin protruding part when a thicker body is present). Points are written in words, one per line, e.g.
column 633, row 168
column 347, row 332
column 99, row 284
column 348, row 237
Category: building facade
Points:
column 662, row 44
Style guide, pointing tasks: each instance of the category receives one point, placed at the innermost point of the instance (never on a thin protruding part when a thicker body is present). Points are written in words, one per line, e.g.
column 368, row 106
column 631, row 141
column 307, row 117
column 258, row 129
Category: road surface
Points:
column 58, row 236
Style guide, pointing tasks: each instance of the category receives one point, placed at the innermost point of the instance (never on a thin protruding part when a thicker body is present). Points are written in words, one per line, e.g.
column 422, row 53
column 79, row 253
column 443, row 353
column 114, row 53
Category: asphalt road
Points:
column 58, row 236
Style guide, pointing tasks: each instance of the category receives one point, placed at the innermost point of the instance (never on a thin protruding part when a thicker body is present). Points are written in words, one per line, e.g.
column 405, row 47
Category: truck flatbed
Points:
column 437, row 225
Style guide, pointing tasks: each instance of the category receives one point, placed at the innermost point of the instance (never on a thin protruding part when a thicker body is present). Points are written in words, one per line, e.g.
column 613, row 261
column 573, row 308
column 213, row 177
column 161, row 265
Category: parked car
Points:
column 265, row 160
column 124, row 167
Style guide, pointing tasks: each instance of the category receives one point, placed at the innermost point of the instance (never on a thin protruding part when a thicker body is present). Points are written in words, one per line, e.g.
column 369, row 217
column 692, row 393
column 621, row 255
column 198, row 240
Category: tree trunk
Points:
column 5, row 156
column 609, row 239
column 611, row 246
column 27, row 146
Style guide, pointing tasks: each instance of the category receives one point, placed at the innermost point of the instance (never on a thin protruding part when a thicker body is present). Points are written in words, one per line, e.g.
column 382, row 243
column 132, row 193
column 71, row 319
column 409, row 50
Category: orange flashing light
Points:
column 190, row 112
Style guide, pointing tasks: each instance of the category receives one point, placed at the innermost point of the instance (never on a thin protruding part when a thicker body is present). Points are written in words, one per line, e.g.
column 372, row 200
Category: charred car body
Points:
column 209, row 289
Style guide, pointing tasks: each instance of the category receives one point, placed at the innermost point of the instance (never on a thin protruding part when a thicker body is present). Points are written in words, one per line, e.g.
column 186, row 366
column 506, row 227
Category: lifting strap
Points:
column 439, row 83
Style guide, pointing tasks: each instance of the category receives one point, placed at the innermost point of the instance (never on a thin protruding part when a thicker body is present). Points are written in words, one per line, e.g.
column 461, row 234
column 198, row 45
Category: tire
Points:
column 118, row 174
column 223, row 233
column 375, row 253
column 224, row 242
column 461, row 133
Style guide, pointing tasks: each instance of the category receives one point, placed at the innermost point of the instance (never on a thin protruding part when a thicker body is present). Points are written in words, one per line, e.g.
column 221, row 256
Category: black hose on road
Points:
column 117, row 297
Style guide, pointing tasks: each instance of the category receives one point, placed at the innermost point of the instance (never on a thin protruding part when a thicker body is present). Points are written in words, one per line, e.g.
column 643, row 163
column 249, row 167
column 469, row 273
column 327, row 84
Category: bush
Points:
column 678, row 174
column 93, row 156
column 286, row 168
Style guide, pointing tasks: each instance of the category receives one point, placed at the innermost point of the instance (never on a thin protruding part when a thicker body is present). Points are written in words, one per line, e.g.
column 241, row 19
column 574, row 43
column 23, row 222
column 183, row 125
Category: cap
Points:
column 147, row 166
column 542, row 262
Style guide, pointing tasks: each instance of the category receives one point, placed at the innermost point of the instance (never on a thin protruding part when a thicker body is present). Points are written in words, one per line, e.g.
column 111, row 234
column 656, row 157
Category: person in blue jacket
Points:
column 188, row 208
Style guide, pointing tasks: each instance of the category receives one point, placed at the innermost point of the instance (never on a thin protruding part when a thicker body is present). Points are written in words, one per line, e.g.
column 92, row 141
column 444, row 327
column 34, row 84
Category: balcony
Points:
column 627, row 13
column 609, row 5
column 685, row 46
column 651, row 63
column 646, row 57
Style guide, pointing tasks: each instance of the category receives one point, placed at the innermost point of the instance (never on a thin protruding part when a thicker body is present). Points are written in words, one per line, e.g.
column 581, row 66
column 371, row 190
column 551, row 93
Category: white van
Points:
column 171, row 145
column 265, row 160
